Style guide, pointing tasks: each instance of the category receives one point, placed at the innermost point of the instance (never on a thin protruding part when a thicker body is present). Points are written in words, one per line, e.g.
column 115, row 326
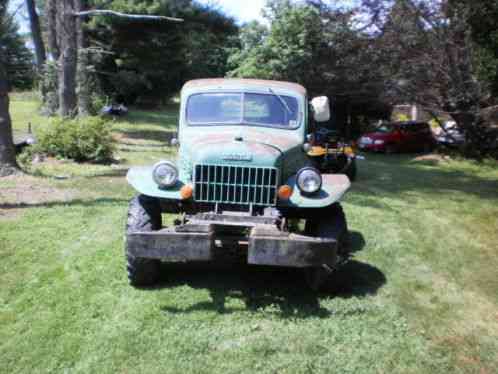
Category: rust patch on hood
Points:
column 221, row 82
column 248, row 135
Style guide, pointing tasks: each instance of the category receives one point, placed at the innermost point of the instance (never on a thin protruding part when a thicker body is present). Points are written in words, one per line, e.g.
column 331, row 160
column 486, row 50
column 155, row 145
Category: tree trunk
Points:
column 8, row 164
column 68, row 58
column 49, row 87
column 53, row 44
column 83, row 78
column 36, row 34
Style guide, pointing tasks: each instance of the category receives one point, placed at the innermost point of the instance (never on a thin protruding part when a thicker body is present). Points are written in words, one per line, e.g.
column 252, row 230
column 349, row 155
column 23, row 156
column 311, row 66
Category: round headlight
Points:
column 165, row 174
column 309, row 180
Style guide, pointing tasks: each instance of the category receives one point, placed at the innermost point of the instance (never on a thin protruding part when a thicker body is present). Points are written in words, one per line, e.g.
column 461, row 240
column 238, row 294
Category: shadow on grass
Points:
column 278, row 290
column 108, row 174
column 139, row 146
column 66, row 203
column 263, row 289
column 399, row 175
column 163, row 136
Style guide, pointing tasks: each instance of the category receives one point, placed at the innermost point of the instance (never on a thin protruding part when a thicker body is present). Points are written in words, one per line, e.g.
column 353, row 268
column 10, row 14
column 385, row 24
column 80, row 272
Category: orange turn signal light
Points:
column 285, row 192
column 186, row 192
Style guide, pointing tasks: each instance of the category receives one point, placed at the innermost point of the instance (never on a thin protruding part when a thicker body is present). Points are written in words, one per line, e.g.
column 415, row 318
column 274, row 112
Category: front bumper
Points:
column 263, row 244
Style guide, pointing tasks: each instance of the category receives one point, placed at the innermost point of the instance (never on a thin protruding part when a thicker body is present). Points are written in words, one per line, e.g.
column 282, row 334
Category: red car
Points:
column 399, row 137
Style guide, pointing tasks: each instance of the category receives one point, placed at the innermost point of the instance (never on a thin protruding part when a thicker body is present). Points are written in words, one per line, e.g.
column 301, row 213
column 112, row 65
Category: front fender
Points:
column 334, row 186
column 140, row 178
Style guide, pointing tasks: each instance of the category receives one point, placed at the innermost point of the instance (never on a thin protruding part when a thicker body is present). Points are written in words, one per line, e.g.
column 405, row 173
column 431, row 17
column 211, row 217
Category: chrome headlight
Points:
column 309, row 180
column 165, row 174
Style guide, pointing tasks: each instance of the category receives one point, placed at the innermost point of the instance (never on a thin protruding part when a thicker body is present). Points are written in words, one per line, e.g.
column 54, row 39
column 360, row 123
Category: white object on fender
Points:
column 321, row 108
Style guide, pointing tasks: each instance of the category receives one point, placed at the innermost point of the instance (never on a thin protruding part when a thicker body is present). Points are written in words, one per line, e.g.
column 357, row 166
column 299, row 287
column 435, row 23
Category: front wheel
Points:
column 332, row 224
column 144, row 214
column 427, row 148
column 351, row 170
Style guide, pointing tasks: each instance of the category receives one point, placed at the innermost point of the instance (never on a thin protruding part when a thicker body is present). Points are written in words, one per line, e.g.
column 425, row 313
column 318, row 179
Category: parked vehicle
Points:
column 115, row 110
column 333, row 154
column 399, row 137
column 241, row 182
column 451, row 135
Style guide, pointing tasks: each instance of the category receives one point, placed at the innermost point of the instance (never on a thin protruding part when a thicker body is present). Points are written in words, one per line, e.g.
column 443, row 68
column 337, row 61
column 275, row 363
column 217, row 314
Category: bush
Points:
column 97, row 102
column 86, row 139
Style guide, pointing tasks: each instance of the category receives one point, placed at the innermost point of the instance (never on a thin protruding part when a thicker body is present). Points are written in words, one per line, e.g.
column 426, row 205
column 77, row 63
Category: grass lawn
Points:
column 421, row 294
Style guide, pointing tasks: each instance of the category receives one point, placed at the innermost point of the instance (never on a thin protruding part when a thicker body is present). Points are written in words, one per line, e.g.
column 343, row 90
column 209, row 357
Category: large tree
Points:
column 287, row 51
column 8, row 163
column 52, row 28
column 36, row 34
column 18, row 59
column 433, row 61
column 135, row 49
column 83, row 73
column 146, row 62
column 317, row 45
column 67, row 36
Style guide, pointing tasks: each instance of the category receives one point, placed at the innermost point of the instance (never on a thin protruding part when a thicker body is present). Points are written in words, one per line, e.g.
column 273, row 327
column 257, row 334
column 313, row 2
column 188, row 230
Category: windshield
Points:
column 242, row 108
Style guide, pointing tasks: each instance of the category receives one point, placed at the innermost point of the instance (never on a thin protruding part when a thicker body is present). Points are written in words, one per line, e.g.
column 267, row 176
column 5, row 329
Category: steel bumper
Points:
column 265, row 244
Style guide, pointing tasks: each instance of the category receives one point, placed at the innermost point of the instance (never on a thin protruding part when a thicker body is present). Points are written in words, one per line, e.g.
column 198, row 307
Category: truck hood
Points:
column 238, row 147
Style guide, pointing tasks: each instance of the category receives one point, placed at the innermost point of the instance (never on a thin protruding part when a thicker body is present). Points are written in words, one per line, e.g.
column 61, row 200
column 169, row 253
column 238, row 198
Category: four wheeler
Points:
column 332, row 154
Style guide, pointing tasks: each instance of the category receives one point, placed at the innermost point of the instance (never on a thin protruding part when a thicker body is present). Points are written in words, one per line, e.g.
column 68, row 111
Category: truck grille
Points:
column 235, row 184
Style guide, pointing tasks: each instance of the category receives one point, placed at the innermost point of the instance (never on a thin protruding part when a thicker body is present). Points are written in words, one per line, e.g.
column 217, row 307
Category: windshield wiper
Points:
column 284, row 103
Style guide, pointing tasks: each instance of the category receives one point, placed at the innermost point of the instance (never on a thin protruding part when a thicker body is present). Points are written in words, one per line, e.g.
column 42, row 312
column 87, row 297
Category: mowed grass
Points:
column 421, row 294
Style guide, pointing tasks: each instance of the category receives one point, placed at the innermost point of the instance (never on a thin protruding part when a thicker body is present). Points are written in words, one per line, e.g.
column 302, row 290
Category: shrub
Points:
column 85, row 139
column 97, row 102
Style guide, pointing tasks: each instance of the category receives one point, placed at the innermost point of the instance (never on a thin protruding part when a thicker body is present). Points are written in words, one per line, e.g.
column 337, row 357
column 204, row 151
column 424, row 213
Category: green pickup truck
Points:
column 242, row 184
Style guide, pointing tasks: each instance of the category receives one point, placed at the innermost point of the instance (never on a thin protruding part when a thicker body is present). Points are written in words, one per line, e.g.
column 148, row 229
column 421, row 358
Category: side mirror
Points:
column 321, row 108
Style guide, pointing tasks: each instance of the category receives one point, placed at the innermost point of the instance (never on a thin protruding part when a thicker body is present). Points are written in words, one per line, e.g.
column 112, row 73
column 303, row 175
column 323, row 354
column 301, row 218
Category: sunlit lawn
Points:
column 421, row 294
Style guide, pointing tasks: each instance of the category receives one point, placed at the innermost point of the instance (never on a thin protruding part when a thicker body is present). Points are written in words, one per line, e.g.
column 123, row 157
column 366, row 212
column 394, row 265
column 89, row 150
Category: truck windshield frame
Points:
column 242, row 108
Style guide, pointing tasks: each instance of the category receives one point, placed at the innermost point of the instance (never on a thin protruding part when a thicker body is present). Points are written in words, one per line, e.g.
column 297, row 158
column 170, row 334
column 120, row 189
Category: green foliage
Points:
column 97, row 102
column 147, row 62
column 26, row 157
column 482, row 19
column 17, row 58
column 316, row 46
column 286, row 51
column 82, row 139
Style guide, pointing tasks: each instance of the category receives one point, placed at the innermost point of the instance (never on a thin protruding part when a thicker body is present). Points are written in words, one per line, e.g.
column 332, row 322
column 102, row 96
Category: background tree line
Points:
column 439, row 54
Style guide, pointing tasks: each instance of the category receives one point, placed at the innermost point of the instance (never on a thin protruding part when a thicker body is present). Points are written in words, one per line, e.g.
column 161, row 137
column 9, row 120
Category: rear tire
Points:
column 332, row 225
column 390, row 149
column 144, row 214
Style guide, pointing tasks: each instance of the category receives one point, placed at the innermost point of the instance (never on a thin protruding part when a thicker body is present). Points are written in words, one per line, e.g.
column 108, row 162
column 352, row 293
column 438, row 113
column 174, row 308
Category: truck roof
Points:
column 231, row 82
